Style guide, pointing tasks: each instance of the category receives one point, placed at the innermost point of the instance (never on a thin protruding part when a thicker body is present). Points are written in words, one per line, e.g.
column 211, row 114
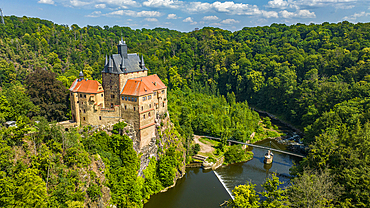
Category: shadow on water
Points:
column 201, row 188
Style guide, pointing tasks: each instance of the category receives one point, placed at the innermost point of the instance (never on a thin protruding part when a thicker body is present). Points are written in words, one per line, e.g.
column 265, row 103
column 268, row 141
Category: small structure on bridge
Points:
column 268, row 157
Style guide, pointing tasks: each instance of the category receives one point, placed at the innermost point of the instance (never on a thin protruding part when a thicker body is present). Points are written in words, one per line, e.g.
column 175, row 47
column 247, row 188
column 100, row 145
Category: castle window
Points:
column 125, row 98
column 144, row 116
column 134, row 108
column 84, row 118
column 125, row 107
column 149, row 97
column 135, row 99
column 162, row 91
column 163, row 104
column 149, row 114
column 112, row 96
column 78, row 101
column 143, row 98
column 80, row 110
column 129, row 98
column 99, row 117
column 150, row 105
column 84, row 96
column 76, row 95
column 155, row 93
column 111, row 105
column 84, row 111
column 142, row 108
column 80, row 95
column 102, row 94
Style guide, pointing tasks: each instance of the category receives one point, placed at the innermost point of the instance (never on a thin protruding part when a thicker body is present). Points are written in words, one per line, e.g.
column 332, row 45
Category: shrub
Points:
column 234, row 154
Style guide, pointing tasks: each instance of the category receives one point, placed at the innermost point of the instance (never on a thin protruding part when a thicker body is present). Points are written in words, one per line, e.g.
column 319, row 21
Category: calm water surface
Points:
column 200, row 188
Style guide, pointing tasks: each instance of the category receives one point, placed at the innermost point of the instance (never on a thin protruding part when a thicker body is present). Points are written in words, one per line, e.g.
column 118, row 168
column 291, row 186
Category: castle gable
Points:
column 136, row 88
column 86, row 86
column 153, row 82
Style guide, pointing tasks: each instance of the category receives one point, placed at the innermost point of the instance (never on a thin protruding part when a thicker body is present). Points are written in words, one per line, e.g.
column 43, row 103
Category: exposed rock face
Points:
column 98, row 167
column 130, row 132
column 148, row 152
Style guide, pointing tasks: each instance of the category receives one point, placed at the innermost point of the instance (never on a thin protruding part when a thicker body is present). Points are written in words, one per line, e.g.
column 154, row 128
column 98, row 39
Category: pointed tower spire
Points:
column 142, row 62
column 106, row 60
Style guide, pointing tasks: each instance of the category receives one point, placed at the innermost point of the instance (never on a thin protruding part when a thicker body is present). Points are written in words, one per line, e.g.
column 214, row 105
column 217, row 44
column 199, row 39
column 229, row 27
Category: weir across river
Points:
column 257, row 146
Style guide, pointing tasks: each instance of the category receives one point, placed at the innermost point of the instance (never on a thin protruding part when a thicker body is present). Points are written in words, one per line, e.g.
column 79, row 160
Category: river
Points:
column 200, row 188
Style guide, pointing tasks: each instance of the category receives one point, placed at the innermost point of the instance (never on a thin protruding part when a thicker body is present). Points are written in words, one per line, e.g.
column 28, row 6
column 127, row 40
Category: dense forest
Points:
column 314, row 76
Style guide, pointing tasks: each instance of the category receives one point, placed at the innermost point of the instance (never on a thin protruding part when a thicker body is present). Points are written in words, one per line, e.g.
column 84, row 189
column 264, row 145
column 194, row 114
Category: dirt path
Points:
column 204, row 148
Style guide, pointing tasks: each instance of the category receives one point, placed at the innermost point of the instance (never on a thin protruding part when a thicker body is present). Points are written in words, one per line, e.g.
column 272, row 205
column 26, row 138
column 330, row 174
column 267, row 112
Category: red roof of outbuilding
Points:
column 143, row 85
column 86, row 86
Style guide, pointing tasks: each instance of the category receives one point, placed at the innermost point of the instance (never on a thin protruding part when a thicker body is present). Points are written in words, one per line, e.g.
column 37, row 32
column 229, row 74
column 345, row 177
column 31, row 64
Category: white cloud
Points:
column 188, row 19
column 287, row 14
column 270, row 14
column 193, row 23
column 297, row 4
column 94, row 14
column 46, row 2
column 229, row 21
column 171, row 16
column 78, row 3
column 151, row 19
column 163, row 3
column 148, row 14
column 210, row 18
column 228, row 7
column 356, row 15
column 100, row 6
column 304, row 13
column 135, row 14
column 281, row 4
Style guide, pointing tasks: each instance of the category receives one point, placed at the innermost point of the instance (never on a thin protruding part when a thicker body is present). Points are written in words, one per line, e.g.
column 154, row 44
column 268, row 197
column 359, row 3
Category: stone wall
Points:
column 111, row 88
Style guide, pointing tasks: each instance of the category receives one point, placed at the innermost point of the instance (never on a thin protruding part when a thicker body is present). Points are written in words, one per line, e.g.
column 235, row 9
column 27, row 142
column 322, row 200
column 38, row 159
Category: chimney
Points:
column 122, row 48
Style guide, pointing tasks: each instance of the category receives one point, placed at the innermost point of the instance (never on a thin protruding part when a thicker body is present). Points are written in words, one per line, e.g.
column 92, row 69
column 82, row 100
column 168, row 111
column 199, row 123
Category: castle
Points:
column 126, row 93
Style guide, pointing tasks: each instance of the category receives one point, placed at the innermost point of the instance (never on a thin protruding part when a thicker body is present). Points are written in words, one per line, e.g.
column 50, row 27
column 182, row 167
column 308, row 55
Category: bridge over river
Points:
column 256, row 146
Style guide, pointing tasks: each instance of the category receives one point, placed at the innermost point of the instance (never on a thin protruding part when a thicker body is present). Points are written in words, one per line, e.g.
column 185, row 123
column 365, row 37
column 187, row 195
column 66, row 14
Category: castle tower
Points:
column 117, row 70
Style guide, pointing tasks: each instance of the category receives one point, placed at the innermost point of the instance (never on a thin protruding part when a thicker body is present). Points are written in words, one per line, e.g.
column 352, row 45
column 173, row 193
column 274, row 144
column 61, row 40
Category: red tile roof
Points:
column 143, row 85
column 86, row 86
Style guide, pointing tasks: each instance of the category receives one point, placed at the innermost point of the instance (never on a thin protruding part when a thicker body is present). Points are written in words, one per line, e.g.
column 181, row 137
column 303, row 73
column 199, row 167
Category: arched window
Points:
column 149, row 114
column 144, row 116
column 142, row 108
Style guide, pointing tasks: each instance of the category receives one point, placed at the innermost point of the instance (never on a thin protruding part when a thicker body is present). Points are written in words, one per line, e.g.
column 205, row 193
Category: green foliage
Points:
column 267, row 122
column 94, row 191
column 30, row 190
column 245, row 196
column 166, row 170
column 48, row 93
column 274, row 196
column 118, row 127
column 234, row 154
column 211, row 115
column 152, row 183
column 196, row 149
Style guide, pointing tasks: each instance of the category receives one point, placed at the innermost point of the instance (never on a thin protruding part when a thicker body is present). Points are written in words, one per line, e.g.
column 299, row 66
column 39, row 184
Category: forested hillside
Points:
column 314, row 76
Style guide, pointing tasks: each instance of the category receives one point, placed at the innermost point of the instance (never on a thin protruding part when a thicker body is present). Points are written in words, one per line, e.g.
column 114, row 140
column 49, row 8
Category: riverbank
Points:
column 273, row 117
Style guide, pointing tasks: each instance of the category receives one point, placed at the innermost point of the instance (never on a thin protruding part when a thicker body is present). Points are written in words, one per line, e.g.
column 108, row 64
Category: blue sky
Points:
column 185, row 15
